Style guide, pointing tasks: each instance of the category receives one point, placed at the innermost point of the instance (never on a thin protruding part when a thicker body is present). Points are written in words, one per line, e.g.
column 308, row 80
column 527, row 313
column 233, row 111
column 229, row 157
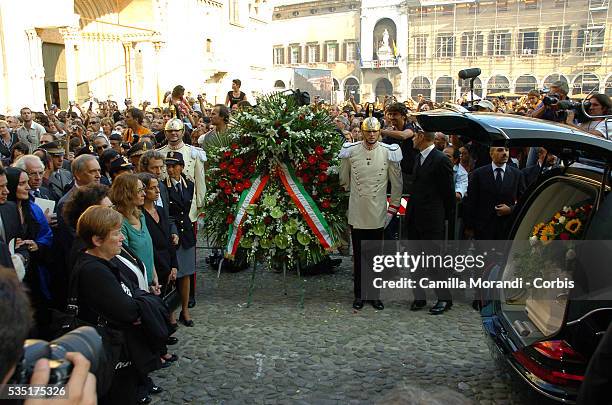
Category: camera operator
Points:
column 15, row 323
column 400, row 130
column 598, row 105
column 548, row 109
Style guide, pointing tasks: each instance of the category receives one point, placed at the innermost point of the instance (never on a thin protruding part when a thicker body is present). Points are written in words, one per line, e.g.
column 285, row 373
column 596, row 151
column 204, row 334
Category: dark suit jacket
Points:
column 44, row 193
column 6, row 152
column 164, row 253
column 12, row 226
column 432, row 199
column 179, row 205
column 483, row 196
column 163, row 192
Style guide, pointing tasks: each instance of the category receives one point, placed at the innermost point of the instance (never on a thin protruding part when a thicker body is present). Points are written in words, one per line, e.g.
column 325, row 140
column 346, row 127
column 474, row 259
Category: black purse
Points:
column 171, row 296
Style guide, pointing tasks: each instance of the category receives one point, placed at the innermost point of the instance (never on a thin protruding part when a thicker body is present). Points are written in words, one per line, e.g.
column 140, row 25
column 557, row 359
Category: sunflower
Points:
column 574, row 226
column 538, row 228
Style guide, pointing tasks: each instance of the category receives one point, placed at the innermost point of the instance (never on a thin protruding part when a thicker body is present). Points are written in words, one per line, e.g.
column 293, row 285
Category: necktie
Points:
column 178, row 188
column 498, row 178
column 37, row 193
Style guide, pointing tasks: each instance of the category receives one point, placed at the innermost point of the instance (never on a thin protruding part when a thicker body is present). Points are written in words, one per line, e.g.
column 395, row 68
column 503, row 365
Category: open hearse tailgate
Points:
column 498, row 129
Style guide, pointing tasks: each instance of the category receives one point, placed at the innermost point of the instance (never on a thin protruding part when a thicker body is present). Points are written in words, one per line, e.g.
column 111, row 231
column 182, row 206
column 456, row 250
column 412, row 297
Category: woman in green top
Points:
column 128, row 193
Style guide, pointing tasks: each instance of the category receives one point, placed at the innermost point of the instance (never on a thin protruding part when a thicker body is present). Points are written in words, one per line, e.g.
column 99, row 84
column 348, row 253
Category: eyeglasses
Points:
column 36, row 174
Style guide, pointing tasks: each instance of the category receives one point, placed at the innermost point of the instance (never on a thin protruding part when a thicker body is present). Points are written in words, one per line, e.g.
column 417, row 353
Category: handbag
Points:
column 171, row 296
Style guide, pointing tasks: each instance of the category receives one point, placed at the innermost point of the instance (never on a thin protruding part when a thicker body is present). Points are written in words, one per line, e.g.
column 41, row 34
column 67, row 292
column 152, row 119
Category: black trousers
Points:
column 358, row 236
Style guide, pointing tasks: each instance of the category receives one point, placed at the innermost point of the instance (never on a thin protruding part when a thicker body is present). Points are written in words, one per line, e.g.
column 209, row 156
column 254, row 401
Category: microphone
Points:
column 469, row 73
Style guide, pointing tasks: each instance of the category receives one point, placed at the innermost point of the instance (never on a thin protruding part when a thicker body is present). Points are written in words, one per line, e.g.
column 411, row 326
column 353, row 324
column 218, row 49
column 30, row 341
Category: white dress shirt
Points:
column 425, row 152
column 503, row 167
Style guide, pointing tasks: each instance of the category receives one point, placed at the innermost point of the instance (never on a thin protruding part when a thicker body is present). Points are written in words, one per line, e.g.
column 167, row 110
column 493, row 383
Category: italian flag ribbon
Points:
column 306, row 205
column 303, row 201
column 248, row 196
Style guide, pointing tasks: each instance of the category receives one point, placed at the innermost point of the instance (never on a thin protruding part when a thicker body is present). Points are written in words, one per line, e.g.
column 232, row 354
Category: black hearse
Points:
column 547, row 343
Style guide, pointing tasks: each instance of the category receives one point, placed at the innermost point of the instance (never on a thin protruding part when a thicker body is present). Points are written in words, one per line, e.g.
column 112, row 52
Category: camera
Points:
column 206, row 119
column 84, row 340
column 550, row 99
column 577, row 107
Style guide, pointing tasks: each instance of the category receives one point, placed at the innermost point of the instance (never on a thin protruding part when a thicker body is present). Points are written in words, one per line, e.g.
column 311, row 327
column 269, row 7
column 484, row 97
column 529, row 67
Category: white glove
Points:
column 391, row 212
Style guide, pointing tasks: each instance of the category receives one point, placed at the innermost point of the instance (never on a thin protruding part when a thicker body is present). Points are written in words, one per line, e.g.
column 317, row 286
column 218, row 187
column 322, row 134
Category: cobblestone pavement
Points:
column 276, row 352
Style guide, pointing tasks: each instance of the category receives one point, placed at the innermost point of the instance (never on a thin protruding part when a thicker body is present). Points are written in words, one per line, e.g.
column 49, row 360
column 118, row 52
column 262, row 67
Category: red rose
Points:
column 327, row 190
column 571, row 214
column 238, row 162
column 251, row 168
column 238, row 175
column 278, row 141
column 239, row 187
column 312, row 159
column 227, row 154
column 268, row 220
column 322, row 177
column 325, row 204
column 555, row 220
column 235, row 146
column 227, row 190
column 306, row 178
column 230, row 219
column 234, row 198
column 223, row 165
column 285, row 218
column 323, row 166
column 319, row 150
column 301, row 117
column 223, row 184
column 246, row 183
column 233, row 170
column 564, row 236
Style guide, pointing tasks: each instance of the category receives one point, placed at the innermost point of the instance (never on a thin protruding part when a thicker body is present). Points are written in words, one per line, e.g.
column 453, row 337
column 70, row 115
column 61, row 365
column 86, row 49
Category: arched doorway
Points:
column 351, row 88
column 336, row 85
column 383, row 88
column 550, row 79
column 585, row 83
column 498, row 84
column 525, row 83
column 420, row 87
column 445, row 89
column 279, row 85
column 384, row 39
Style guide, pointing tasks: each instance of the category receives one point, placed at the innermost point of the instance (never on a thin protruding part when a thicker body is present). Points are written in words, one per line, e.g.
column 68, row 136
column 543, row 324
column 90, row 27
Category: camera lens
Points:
column 84, row 340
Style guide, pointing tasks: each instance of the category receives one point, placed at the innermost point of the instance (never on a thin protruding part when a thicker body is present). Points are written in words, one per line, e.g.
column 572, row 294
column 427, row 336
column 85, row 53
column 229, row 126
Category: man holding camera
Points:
column 15, row 324
column 547, row 109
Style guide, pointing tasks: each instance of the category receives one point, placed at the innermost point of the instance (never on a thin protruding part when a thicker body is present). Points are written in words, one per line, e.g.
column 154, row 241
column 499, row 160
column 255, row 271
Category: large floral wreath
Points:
column 273, row 184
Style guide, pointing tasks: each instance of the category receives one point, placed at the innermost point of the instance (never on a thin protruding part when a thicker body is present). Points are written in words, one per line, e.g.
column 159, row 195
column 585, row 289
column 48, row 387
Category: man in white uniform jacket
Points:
column 366, row 168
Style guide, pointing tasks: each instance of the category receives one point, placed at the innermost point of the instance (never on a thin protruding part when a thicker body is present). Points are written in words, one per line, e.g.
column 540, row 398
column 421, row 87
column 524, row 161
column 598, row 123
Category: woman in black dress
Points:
column 7, row 140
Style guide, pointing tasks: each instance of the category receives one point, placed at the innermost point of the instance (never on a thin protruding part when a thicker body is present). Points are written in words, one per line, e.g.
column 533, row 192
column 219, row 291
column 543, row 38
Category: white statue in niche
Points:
column 384, row 51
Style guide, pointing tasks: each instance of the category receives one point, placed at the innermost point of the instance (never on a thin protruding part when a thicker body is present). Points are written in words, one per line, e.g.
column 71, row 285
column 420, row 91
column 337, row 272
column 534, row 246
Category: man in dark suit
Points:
column 432, row 202
column 35, row 169
column 492, row 194
column 531, row 173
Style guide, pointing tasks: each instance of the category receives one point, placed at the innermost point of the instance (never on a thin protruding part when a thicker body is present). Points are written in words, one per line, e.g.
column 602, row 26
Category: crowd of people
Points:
column 99, row 204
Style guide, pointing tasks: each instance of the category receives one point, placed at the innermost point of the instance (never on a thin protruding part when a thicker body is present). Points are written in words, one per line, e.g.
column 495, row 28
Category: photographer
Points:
column 599, row 104
column 548, row 109
column 399, row 130
column 15, row 322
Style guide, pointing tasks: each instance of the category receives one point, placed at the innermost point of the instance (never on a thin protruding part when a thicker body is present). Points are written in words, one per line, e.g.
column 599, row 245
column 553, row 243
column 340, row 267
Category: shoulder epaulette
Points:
column 394, row 152
column 198, row 153
column 345, row 152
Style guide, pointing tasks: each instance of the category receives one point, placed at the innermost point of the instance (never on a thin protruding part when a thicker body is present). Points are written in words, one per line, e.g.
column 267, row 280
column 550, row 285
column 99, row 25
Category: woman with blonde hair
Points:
column 128, row 195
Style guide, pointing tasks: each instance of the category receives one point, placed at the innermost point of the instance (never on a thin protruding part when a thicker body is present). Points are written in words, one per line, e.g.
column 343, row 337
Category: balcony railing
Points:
column 380, row 64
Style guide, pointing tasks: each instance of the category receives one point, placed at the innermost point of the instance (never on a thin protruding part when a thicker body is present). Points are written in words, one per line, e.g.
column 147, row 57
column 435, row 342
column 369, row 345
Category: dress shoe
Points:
column 171, row 359
column 418, row 304
column 377, row 304
column 144, row 400
column 166, row 364
column 156, row 389
column 173, row 328
column 192, row 303
column 188, row 323
column 357, row 304
column 440, row 307
column 171, row 341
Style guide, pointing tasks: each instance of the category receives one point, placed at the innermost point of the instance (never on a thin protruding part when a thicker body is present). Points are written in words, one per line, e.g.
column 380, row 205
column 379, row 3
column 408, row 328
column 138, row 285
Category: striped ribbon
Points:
column 247, row 197
column 311, row 213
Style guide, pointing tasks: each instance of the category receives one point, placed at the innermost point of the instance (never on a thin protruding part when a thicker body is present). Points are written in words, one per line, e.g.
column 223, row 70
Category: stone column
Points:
column 157, row 56
column 36, row 68
column 71, row 38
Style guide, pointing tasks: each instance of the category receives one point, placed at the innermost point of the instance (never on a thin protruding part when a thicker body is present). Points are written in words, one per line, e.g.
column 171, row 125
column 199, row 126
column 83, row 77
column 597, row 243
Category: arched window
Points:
column 336, row 85
column 421, row 86
column 465, row 87
column 445, row 89
column 550, row 79
column 525, row 83
column 585, row 83
column 279, row 84
column 608, row 89
column 351, row 88
column 498, row 84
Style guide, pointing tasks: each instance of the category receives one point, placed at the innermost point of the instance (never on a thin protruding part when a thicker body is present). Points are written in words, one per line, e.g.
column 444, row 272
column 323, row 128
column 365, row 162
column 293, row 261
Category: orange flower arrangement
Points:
column 565, row 224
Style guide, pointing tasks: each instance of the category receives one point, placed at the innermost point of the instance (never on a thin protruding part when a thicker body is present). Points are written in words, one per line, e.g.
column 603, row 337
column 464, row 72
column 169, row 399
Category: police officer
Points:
column 193, row 170
column 59, row 180
column 136, row 151
column 366, row 168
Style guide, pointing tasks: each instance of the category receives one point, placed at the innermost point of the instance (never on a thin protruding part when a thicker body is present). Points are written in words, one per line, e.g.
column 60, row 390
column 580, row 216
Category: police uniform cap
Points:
column 140, row 148
column 174, row 158
column 53, row 148
column 120, row 164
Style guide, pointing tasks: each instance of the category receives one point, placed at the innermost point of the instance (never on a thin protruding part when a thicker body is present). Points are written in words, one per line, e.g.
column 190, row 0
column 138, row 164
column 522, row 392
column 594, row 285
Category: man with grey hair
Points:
column 431, row 203
column 35, row 169
column 441, row 141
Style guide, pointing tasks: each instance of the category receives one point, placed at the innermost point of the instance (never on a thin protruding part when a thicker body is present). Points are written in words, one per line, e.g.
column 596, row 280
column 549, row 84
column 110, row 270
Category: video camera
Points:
column 563, row 106
column 84, row 340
